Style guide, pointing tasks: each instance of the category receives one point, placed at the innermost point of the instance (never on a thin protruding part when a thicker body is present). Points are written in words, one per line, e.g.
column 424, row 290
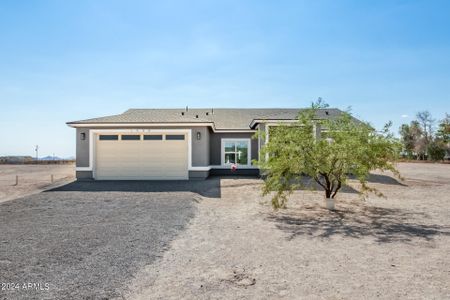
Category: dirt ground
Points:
column 237, row 247
column 32, row 179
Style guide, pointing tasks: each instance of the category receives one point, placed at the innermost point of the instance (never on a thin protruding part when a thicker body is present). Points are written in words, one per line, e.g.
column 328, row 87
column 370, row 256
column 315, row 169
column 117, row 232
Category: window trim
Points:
column 222, row 150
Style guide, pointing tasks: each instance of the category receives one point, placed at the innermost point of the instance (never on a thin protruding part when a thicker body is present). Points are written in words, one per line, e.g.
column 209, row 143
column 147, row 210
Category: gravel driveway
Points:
column 87, row 240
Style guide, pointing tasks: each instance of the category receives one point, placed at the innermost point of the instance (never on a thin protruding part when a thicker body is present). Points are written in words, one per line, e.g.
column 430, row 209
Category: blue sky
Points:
column 70, row 60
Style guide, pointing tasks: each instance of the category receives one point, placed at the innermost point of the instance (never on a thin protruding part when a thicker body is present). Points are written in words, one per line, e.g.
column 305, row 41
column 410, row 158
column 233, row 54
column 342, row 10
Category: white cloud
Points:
column 405, row 116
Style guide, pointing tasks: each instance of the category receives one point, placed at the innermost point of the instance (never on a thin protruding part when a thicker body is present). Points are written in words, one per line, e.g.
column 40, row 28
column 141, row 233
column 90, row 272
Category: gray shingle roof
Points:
column 222, row 118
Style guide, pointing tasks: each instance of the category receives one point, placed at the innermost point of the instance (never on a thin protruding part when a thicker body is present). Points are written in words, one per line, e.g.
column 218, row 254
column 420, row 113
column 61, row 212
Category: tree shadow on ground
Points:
column 384, row 179
column 309, row 184
column 385, row 225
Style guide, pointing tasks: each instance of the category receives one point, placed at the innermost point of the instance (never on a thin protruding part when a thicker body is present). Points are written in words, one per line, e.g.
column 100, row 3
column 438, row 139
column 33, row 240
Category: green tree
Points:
column 436, row 150
column 409, row 135
column 426, row 123
column 346, row 147
column 442, row 139
column 443, row 132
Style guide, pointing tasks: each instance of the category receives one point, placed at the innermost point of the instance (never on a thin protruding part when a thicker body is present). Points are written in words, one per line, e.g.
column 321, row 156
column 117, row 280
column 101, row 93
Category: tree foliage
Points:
column 436, row 150
column 346, row 147
column 410, row 136
column 426, row 122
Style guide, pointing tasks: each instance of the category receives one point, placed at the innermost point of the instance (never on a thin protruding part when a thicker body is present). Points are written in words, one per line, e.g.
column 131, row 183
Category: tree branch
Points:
column 320, row 183
column 337, row 189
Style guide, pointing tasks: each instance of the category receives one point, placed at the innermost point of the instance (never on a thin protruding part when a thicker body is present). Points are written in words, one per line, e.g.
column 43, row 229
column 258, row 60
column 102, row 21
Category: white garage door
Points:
column 155, row 156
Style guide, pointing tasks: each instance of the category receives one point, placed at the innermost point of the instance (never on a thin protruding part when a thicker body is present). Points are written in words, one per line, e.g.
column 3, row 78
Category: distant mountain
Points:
column 49, row 157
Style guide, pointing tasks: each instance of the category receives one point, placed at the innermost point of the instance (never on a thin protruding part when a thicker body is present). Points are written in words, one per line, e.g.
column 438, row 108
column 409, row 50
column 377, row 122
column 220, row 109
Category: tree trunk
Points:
column 327, row 186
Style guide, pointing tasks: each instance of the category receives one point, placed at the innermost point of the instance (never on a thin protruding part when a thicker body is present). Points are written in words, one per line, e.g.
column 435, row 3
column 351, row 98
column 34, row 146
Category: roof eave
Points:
column 254, row 122
column 149, row 124
column 108, row 124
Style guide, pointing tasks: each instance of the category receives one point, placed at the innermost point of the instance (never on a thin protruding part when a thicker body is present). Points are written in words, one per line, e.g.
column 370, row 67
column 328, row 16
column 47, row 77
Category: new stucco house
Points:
column 146, row 144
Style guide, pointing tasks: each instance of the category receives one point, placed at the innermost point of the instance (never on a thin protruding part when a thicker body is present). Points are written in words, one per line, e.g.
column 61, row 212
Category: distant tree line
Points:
column 27, row 160
column 422, row 140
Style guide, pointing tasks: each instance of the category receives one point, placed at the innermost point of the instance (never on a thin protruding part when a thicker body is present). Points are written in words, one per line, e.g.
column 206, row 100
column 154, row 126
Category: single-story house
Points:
column 165, row 144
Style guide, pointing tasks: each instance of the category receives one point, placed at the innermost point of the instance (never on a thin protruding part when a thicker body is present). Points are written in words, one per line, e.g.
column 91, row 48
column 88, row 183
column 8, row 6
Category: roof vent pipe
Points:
column 212, row 111
column 182, row 113
column 187, row 108
column 196, row 116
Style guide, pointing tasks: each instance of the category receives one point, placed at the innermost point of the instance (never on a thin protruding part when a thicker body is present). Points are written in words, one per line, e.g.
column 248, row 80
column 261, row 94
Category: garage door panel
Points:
column 142, row 160
column 116, row 161
column 123, row 168
column 163, row 155
column 174, row 162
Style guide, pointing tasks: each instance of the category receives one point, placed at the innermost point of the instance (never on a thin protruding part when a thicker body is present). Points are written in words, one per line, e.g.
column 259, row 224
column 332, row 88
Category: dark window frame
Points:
column 130, row 137
column 108, row 137
column 175, row 137
column 149, row 137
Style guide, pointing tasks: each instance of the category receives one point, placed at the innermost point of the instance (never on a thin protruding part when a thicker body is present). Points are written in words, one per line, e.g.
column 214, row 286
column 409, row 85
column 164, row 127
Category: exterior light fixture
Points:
column 199, row 135
column 83, row 136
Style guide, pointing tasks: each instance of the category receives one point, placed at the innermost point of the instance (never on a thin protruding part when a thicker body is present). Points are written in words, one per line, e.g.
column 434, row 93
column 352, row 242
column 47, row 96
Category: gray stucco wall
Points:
column 84, row 175
column 198, row 175
column 200, row 148
column 82, row 151
column 262, row 135
column 215, row 145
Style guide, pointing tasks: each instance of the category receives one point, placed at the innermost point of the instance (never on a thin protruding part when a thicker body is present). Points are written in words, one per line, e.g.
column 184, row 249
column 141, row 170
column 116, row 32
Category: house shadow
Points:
column 207, row 188
column 385, row 225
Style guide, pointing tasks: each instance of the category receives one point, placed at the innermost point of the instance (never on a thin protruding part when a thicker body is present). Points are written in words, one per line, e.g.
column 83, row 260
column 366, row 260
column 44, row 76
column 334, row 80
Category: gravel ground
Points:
column 239, row 248
column 88, row 240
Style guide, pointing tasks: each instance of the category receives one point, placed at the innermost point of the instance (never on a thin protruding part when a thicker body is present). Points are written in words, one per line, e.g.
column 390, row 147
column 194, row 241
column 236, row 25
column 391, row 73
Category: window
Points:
column 175, row 137
column 130, row 137
column 108, row 137
column 153, row 137
column 236, row 151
